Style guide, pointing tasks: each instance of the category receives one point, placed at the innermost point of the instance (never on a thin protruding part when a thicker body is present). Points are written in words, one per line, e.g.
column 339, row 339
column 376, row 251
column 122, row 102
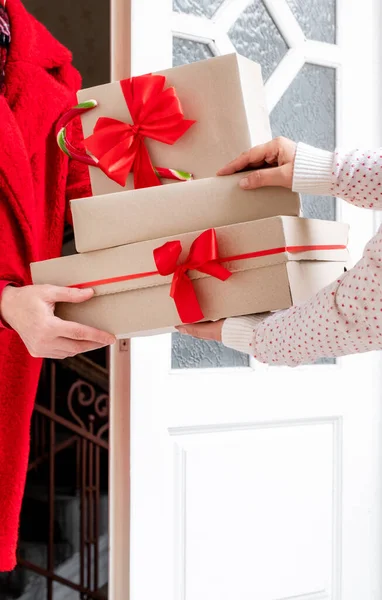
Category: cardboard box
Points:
column 225, row 95
column 274, row 279
column 134, row 216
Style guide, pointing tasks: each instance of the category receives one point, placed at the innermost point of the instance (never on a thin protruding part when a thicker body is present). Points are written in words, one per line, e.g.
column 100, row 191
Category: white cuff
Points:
column 238, row 332
column 313, row 170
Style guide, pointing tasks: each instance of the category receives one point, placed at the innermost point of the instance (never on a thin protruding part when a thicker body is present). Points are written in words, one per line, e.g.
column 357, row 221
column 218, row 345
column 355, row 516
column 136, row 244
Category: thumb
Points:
column 275, row 176
column 66, row 294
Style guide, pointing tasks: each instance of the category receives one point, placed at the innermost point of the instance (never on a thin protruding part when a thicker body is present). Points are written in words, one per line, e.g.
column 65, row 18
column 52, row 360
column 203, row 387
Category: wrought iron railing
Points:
column 68, row 464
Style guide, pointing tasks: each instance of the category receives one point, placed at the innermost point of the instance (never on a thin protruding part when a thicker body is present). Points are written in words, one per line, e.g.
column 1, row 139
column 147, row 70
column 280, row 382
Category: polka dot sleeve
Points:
column 345, row 317
column 357, row 177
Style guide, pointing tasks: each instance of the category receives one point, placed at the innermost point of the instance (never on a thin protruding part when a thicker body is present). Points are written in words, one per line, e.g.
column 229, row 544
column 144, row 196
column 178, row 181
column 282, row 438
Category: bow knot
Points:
column 203, row 257
column 119, row 147
column 135, row 129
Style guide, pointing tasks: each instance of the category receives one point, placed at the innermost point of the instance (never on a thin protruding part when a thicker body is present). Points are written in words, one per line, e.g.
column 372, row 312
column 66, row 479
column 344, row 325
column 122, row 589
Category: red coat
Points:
column 36, row 182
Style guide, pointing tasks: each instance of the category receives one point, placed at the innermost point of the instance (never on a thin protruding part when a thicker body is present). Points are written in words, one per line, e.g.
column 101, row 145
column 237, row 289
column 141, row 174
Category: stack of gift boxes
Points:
column 163, row 240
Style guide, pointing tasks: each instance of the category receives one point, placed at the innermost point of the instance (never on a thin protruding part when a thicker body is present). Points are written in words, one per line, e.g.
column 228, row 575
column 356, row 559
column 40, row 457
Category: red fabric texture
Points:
column 36, row 181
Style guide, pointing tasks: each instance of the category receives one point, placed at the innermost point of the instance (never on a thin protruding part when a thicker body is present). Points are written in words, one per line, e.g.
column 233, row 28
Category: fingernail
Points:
column 244, row 183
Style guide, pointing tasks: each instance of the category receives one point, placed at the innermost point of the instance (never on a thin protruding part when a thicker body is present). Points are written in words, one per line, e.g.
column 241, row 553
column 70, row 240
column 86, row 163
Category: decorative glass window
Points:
column 301, row 94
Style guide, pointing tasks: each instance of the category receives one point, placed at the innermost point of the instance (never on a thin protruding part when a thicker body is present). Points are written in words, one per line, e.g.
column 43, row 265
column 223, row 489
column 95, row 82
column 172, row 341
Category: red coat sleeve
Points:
column 14, row 258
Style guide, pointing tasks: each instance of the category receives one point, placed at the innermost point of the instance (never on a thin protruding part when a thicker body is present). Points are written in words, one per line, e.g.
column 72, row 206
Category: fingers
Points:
column 252, row 158
column 60, row 339
column 196, row 331
column 64, row 348
column 204, row 331
column 75, row 331
column 236, row 165
column 67, row 347
column 275, row 176
column 65, row 294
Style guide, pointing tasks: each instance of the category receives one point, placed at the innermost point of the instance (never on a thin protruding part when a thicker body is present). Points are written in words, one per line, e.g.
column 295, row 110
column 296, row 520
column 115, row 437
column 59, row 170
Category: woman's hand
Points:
column 29, row 311
column 211, row 331
column 274, row 163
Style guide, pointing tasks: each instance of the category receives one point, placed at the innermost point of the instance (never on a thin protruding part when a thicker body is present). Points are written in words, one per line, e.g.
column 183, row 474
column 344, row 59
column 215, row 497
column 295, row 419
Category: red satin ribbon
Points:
column 203, row 257
column 156, row 113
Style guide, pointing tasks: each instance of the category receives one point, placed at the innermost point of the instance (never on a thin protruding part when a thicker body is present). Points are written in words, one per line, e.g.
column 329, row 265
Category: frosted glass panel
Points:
column 188, row 51
column 317, row 18
column 255, row 36
column 201, row 8
column 189, row 353
column 306, row 113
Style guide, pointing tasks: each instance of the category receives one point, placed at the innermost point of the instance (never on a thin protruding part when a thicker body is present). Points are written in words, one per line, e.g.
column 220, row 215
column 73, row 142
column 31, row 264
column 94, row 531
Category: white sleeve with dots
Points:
column 346, row 317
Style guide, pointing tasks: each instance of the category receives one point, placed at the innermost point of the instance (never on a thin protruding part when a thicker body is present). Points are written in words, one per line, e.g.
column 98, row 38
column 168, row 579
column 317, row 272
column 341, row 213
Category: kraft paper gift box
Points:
column 134, row 216
column 224, row 96
column 274, row 262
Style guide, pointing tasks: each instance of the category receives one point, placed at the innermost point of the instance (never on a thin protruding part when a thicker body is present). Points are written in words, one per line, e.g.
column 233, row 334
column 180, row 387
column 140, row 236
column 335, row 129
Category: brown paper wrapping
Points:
column 257, row 285
column 225, row 95
column 113, row 220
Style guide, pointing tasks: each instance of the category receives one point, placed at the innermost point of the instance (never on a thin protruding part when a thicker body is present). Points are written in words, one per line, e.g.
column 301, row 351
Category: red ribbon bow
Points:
column 203, row 257
column 156, row 113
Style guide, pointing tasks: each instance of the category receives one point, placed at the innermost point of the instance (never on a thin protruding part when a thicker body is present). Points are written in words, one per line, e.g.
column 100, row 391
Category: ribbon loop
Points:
column 203, row 257
column 166, row 257
column 119, row 147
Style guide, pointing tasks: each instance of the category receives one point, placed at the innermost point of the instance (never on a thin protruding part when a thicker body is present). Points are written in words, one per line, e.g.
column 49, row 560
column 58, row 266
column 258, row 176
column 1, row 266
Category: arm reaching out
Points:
column 344, row 318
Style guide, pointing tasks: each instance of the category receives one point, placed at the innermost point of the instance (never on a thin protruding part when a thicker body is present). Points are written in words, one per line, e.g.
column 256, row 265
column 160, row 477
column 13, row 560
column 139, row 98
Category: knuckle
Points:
column 69, row 293
column 280, row 141
column 256, row 178
column 78, row 333
column 47, row 289
column 245, row 156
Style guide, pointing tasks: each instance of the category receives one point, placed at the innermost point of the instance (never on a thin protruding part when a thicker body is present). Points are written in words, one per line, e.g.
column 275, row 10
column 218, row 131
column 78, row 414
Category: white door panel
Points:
column 257, row 504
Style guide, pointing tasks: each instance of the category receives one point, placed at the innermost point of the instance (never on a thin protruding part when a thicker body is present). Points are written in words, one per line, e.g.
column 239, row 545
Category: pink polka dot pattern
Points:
column 346, row 317
column 357, row 177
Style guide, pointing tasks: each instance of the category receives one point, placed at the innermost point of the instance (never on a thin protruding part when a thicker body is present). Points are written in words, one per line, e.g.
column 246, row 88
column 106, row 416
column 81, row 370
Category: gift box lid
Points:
column 243, row 246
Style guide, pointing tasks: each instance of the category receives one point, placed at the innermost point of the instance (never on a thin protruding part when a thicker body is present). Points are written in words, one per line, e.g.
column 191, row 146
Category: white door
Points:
column 251, row 482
